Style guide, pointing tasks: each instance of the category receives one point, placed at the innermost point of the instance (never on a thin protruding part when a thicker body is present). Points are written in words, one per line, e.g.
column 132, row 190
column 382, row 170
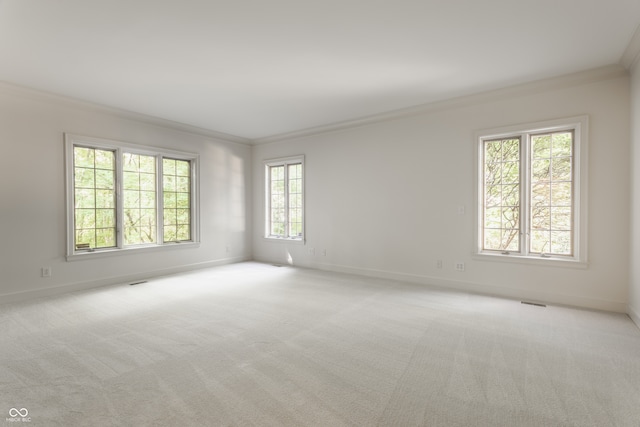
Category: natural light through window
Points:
column 95, row 196
column 112, row 196
column 284, row 198
column 529, row 191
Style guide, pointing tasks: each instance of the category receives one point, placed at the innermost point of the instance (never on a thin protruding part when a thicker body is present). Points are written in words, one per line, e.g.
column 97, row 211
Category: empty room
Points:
column 337, row 213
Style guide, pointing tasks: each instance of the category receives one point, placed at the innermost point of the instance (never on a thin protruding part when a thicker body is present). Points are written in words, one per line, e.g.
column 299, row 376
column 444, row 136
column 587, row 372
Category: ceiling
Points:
column 258, row 68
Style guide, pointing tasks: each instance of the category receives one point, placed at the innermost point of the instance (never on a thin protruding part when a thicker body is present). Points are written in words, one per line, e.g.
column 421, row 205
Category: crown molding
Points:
column 553, row 83
column 39, row 95
column 631, row 54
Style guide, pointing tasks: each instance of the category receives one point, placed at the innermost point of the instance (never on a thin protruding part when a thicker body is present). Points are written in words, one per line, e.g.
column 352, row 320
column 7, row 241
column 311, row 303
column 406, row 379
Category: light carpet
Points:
column 257, row 345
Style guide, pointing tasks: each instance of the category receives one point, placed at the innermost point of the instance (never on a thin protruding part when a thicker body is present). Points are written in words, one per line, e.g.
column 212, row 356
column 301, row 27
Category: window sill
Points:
column 299, row 241
column 532, row 260
column 105, row 253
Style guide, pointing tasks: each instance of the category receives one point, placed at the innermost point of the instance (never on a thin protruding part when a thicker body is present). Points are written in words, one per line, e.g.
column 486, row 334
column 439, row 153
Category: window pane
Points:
column 176, row 188
column 540, row 170
column 561, row 194
column 94, row 198
column 139, row 174
column 183, row 168
column 552, row 201
column 501, row 198
column 562, row 144
column 85, row 178
column 105, row 179
column 510, row 241
column 540, row 195
column 105, row 218
column 84, row 157
column 561, row 242
column 541, row 218
column 510, row 172
column 540, row 241
column 511, row 217
column 561, row 169
column 541, row 146
column 295, row 200
column 561, row 219
column 131, row 181
column 277, row 201
column 493, row 151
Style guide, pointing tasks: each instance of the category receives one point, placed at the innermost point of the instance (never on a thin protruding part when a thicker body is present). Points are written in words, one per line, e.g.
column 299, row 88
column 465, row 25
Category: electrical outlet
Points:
column 228, row 248
column 324, row 252
column 439, row 263
column 459, row 266
column 312, row 251
column 45, row 271
column 461, row 210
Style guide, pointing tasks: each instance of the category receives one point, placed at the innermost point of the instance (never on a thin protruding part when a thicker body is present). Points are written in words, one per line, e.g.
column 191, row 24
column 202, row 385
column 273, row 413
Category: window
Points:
column 112, row 196
column 529, row 191
column 285, row 198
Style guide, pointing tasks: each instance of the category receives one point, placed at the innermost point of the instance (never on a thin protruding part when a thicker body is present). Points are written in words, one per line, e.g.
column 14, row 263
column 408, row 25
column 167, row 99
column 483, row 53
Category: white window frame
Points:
column 579, row 126
column 284, row 161
column 71, row 141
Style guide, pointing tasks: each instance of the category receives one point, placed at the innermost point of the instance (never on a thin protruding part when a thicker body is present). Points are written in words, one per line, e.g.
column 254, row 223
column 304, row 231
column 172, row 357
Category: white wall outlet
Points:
column 438, row 263
column 459, row 266
column 324, row 252
column 45, row 271
column 312, row 251
column 461, row 210
column 228, row 248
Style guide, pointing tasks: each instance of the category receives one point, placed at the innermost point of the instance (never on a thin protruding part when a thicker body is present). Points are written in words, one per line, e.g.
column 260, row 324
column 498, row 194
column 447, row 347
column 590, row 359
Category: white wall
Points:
column 634, row 287
column 382, row 198
column 32, row 213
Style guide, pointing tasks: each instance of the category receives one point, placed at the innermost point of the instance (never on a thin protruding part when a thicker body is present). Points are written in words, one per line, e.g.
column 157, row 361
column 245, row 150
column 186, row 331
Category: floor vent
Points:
column 277, row 265
column 537, row 304
column 137, row 283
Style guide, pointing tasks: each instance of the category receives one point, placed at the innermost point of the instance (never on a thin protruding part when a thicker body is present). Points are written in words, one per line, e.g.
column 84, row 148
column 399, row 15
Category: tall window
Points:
column 113, row 198
column 284, row 198
column 94, row 198
column 139, row 198
column 176, row 189
column 529, row 192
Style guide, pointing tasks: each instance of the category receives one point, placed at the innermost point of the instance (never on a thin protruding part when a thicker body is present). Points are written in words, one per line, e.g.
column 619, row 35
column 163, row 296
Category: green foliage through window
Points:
column 94, row 198
column 176, row 188
column 547, row 191
column 121, row 197
column 285, row 200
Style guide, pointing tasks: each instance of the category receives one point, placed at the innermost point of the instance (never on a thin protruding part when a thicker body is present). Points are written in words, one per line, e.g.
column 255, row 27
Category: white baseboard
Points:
column 114, row 280
column 477, row 288
column 634, row 315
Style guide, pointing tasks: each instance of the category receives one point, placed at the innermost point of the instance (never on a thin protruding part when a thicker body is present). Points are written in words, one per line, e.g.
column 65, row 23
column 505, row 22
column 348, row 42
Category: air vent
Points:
column 137, row 283
column 537, row 304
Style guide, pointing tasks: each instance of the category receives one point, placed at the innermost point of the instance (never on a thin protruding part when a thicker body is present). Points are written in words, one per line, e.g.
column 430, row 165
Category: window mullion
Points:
column 525, row 190
column 159, row 201
column 268, row 200
column 286, row 200
column 119, row 199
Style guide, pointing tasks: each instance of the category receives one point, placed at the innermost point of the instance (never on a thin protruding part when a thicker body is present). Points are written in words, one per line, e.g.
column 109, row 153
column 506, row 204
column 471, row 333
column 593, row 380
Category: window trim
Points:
column 73, row 140
column 579, row 125
column 282, row 161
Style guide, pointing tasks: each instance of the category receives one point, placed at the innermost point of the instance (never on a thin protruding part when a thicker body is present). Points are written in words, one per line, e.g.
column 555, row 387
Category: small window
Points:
column 529, row 191
column 113, row 196
column 285, row 198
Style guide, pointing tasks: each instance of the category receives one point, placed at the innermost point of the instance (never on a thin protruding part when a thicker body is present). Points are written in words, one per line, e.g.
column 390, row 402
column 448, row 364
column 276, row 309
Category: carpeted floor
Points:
column 257, row 345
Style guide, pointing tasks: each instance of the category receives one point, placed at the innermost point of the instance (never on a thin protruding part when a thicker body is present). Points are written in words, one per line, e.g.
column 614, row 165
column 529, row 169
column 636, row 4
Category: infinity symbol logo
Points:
column 13, row 412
